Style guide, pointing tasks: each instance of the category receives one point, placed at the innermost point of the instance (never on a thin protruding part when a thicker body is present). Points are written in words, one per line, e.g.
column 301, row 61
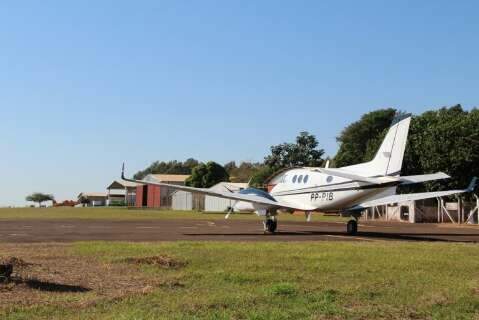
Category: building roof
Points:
column 122, row 184
column 235, row 184
column 167, row 177
column 230, row 186
column 92, row 195
column 226, row 186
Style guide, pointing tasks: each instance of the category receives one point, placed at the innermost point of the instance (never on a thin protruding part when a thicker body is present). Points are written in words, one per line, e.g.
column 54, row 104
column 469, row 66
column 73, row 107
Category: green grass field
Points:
column 324, row 280
column 131, row 214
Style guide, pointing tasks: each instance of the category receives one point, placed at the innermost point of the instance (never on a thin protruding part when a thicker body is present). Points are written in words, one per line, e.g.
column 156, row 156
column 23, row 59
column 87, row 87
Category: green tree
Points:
column 444, row 140
column 207, row 175
column 359, row 141
column 258, row 179
column 244, row 172
column 304, row 152
column 39, row 198
column 230, row 167
column 170, row 167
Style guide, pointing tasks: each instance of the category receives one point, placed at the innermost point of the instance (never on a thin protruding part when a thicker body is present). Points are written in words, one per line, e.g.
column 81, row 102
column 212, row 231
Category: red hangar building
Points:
column 149, row 196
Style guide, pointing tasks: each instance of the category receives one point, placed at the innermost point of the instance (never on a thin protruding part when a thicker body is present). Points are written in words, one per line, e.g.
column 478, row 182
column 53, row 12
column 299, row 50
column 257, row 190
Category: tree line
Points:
column 446, row 139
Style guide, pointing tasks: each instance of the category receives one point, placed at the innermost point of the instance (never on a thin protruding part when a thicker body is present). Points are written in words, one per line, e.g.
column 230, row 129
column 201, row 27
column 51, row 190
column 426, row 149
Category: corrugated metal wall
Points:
column 139, row 197
column 182, row 200
column 215, row 204
column 153, row 196
column 163, row 197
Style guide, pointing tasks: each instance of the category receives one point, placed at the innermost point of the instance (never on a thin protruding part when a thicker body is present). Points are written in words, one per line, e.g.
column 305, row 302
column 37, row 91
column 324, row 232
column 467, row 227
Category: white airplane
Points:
column 347, row 190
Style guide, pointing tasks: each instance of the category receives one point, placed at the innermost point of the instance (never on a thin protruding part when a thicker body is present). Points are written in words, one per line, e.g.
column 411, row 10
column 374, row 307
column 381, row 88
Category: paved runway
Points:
column 25, row 231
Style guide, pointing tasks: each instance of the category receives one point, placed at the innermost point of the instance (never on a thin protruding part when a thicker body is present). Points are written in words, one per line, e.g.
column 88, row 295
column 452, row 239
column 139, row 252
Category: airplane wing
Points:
column 411, row 197
column 255, row 199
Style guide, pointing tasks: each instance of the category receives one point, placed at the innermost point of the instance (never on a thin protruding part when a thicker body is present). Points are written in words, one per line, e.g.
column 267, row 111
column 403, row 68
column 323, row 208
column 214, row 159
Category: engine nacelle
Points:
column 244, row 206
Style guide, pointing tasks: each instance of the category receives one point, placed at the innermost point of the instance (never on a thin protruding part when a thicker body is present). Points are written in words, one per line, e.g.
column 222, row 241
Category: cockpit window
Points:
column 306, row 178
column 295, row 178
column 300, row 179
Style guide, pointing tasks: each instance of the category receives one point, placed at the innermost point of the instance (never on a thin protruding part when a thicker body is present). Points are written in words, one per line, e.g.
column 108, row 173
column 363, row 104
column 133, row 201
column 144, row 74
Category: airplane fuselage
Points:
column 311, row 190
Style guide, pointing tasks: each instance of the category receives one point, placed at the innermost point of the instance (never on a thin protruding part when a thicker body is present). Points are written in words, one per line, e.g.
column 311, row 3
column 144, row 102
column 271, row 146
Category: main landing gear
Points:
column 270, row 225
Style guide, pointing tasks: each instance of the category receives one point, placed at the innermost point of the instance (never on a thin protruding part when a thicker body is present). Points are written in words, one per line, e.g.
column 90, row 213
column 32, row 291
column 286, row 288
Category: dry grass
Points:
column 159, row 261
column 50, row 275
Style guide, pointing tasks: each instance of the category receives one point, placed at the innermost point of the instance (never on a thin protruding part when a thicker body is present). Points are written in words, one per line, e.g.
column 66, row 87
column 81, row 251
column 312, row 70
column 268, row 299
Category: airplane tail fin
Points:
column 389, row 158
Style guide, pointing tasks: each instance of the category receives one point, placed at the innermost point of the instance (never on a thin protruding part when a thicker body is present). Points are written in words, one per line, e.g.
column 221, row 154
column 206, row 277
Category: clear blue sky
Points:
column 86, row 85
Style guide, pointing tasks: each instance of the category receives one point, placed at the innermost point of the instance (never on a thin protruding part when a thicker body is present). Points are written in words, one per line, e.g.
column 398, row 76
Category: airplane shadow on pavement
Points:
column 309, row 235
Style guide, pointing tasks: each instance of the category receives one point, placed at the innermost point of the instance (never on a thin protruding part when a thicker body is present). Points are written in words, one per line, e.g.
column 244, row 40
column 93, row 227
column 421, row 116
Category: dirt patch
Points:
column 49, row 274
column 17, row 262
column 164, row 262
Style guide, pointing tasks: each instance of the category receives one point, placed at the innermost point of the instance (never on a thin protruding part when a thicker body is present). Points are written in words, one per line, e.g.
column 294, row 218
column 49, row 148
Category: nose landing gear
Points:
column 270, row 225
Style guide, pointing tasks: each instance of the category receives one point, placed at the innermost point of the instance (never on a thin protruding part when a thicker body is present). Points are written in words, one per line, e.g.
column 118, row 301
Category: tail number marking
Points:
column 322, row 196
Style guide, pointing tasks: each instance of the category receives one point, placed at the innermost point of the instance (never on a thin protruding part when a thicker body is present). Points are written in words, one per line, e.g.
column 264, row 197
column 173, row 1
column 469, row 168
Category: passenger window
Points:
column 300, row 179
column 329, row 179
column 294, row 178
column 306, row 178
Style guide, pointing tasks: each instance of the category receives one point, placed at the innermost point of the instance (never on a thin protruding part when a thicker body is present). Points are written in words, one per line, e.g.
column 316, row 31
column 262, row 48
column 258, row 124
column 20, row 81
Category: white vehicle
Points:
column 347, row 190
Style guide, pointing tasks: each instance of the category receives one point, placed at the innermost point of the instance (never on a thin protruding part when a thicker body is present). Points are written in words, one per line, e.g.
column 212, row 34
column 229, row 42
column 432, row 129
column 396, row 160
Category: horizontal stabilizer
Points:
column 424, row 178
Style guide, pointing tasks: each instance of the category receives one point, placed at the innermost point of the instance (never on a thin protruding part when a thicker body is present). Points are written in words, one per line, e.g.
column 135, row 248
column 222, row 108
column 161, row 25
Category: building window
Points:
column 306, row 178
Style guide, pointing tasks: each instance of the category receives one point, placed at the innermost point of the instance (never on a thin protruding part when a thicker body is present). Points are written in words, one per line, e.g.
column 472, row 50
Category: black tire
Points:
column 352, row 227
column 275, row 225
column 271, row 225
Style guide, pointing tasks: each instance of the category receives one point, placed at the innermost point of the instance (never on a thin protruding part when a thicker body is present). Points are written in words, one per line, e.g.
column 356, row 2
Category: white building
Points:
column 92, row 199
column 120, row 191
column 215, row 204
column 182, row 200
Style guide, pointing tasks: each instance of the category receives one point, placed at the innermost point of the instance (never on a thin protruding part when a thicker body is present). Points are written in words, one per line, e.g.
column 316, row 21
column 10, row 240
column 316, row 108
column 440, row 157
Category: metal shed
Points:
column 181, row 200
column 151, row 196
column 215, row 204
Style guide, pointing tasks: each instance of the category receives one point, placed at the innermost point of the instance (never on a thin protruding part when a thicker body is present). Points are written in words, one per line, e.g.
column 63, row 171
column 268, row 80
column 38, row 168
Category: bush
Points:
column 117, row 204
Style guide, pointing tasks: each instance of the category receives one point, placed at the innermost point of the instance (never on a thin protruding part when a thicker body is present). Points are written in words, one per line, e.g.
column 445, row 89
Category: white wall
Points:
column 182, row 200
column 215, row 204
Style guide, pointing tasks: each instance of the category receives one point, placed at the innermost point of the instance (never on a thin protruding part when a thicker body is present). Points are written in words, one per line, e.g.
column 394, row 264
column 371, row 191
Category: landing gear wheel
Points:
column 352, row 227
column 271, row 225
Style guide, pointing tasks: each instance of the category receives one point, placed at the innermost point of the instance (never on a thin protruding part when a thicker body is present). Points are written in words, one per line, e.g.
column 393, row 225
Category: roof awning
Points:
column 120, row 184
